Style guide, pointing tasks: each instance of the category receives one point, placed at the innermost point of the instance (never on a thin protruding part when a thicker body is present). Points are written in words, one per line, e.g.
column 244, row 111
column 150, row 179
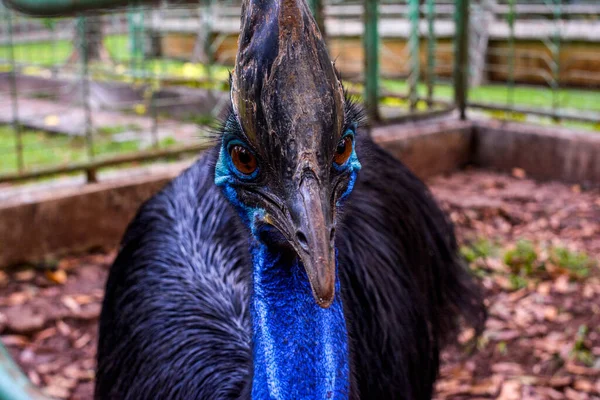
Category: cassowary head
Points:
column 288, row 157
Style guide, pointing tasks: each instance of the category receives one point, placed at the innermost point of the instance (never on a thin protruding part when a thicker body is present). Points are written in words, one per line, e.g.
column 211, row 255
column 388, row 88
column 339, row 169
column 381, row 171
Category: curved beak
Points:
column 313, row 239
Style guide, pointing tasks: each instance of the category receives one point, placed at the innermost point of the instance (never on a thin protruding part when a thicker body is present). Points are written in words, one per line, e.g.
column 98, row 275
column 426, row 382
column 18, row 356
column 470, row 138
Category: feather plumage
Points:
column 175, row 322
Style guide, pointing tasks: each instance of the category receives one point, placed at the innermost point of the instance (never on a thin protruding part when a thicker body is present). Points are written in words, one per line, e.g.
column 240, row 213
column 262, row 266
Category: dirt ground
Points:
column 526, row 241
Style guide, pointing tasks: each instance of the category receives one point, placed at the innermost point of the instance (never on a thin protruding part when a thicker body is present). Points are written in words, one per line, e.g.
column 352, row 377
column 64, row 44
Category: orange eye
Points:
column 343, row 150
column 243, row 159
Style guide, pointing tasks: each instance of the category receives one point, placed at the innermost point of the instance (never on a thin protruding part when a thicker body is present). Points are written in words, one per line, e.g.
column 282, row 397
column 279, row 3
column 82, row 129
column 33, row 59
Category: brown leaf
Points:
column 486, row 387
column 82, row 341
column 511, row 390
column 562, row 285
column 584, row 385
column 550, row 313
column 23, row 320
column 3, row 278
column 34, row 377
column 549, row 393
column 63, row 328
column 579, row 370
column 24, row 276
column 45, row 334
column 504, row 336
column 18, row 298
column 559, row 381
column 507, row 368
column 571, row 394
column 59, row 276
column 15, row 340
column 519, row 173
column 70, row 303
column 57, row 391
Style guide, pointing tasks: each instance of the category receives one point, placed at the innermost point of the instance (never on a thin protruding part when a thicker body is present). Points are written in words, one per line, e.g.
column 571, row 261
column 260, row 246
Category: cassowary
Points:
column 295, row 260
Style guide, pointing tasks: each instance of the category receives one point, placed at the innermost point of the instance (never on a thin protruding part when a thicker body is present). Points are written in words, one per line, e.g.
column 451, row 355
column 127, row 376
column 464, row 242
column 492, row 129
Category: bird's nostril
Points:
column 302, row 240
column 332, row 235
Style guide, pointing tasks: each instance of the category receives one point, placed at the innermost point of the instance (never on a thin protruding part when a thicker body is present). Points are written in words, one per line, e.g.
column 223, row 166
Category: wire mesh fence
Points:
column 541, row 61
column 144, row 82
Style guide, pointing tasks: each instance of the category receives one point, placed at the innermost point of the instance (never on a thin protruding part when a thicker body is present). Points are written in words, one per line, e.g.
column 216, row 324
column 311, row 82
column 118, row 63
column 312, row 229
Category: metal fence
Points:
column 140, row 83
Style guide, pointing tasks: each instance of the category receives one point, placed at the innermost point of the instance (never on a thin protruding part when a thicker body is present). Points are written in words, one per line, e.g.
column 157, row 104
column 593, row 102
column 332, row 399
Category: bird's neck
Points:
column 300, row 349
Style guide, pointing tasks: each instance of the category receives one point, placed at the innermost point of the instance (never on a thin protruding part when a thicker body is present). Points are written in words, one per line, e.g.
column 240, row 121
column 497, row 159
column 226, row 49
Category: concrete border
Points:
column 45, row 225
column 544, row 153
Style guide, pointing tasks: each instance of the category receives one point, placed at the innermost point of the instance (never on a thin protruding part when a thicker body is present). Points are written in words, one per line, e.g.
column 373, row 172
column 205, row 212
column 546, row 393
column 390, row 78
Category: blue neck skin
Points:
column 300, row 349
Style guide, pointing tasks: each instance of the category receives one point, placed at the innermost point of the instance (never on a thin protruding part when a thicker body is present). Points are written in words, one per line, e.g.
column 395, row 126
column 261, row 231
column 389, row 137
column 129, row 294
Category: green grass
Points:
column 45, row 150
column 499, row 94
column 481, row 248
column 48, row 53
column 578, row 264
column 522, row 259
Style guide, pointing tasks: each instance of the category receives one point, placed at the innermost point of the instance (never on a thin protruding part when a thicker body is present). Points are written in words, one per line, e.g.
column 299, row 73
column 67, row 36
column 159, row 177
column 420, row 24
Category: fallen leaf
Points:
column 23, row 320
column 561, row 284
column 507, row 368
column 549, row 393
column 511, row 390
column 24, row 276
column 571, row 394
column 63, row 328
column 559, row 381
column 15, row 340
column 59, row 276
column 584, row 385
column 579, row 370
column 550, row 313
column 71, row 304
column 34, row 377
column 82, row 341
column 51, row 120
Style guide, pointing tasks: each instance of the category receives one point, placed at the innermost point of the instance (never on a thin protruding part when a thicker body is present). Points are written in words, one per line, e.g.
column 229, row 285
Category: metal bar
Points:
column 48, row 8
column 461, row 55
column 155, row 83
column 413, row 45
column 85, row 93
column 557, row 14
column 422, row 115
column 385, row 94
column 102, row 163
column 371, row 51
column 431, row 39
column 510, row 93
column 591, row 116
column 316, row 6
column 14, row 385
column 14, row 94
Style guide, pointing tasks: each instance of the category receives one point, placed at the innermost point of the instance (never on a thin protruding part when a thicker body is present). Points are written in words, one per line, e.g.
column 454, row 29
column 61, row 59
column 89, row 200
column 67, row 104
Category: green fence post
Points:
column 413, row 46
column 557, row 15
column 371, row 59
column 208, row 11
column 430, row 75
column 85, row 94
column 461, row 55
column 316, row 6
column 135, row 23
column 510, row 93
column 13, row 92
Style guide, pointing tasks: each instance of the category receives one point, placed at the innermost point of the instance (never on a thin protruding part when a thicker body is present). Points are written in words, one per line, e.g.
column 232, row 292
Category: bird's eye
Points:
column 243, row 159
column 343, row 150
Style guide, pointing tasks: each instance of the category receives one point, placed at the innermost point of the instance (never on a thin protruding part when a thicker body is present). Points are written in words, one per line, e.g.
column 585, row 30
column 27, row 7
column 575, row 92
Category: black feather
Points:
column 175, row 322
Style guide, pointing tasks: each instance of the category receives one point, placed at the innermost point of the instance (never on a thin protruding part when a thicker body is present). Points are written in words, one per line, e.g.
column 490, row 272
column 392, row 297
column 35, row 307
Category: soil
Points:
column 541, row 340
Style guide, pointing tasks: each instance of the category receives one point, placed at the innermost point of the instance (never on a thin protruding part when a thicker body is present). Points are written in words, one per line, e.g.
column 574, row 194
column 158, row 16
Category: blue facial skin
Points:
column 300, row 349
